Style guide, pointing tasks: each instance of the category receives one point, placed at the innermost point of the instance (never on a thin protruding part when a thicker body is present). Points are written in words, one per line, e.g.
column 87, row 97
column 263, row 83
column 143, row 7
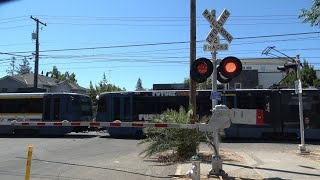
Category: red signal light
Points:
column 230, row 67
column 202, row 68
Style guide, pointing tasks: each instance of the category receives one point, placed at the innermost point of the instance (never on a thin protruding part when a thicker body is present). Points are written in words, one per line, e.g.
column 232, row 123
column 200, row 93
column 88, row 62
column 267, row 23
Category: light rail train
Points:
column 280, row 110
column 48, row 107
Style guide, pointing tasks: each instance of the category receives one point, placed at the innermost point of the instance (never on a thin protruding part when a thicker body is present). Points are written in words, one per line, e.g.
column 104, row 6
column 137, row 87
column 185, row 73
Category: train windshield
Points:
column 86, row 106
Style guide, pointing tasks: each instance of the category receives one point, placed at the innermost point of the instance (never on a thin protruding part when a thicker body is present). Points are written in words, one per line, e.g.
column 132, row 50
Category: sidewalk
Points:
column 262, row 165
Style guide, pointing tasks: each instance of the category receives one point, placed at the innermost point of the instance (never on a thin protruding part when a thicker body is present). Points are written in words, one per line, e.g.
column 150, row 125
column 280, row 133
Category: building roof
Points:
column 71, row 85
column 27, row 79
column 265, row 61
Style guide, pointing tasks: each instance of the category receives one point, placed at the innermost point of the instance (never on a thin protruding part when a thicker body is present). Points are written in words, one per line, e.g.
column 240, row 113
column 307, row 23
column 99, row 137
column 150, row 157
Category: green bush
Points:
column 182, row 142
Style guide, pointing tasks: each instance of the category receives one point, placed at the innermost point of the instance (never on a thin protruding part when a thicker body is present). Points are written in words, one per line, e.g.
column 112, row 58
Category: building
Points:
column 24, row 83
column 258, row 73
column 264, row 76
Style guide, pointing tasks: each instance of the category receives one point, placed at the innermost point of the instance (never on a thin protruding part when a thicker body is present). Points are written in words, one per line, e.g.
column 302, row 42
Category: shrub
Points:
column 182, row 142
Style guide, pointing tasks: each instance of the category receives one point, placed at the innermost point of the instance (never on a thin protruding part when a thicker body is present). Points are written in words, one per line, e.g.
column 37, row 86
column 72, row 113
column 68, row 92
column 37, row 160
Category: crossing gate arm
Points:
column 101, row 124
column 221, row 119
column 247, row 116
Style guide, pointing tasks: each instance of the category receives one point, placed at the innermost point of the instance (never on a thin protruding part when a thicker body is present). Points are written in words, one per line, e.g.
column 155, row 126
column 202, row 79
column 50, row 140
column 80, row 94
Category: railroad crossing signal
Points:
column 228, row 68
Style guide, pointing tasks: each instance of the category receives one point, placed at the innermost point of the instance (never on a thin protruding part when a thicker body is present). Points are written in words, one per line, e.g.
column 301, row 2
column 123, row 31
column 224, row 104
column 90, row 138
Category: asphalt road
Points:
column 94, row 156
column 78, row 157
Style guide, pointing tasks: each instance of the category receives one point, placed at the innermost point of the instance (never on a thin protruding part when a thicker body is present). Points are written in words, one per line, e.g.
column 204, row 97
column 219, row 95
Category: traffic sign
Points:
column 223, row 17
column 222, row 47
column 215, row 95
column 298, row 86
column 226, row 34
column 209, row 17
column 213, row 39
column 217, row 27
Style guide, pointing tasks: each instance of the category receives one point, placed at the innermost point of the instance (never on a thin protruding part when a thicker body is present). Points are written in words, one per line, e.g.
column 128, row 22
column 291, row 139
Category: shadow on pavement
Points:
column 97, row 167
column 270, row 169
column 280, row 141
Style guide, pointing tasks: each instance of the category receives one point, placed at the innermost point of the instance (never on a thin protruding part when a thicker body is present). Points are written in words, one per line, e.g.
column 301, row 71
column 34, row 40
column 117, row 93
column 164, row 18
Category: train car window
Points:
column 102, row 104
column 75, row 101
column 172, row 103
column 260, row 102
column 47, row 107
column 293, row 105
column 116, row 108
column 56, row 108
column 1, row 106
column 33, row 105
column 146, row 105
column 243, row 102
column 86, row 106
column 10, row 106
column 317, row 104
column 229, row 101
column 127, row 108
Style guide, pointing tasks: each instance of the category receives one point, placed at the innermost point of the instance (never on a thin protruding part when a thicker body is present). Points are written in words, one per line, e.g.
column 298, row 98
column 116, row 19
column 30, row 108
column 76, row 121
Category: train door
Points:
column 122, row 108
column 52, row 109
column 47, row 115
column 56, row 108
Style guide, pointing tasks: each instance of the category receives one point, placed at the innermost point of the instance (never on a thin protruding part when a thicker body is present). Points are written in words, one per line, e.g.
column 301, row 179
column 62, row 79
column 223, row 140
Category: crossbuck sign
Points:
column 216, row 27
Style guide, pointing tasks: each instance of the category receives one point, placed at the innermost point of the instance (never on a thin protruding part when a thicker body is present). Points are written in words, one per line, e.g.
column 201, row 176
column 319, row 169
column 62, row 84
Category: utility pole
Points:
column 302, row 146
column 36, row 64
column 193, row 38
column 295, row 64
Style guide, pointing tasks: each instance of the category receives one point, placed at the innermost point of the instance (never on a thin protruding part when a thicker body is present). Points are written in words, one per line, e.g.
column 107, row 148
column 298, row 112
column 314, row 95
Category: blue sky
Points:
column 109, row 28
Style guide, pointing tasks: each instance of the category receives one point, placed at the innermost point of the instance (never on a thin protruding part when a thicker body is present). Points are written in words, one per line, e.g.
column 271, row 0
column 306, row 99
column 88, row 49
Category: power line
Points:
column 98, row 43
column 168, row 25
column 162, row 43
column 17, row 17
column 11, row 21
column 157, row 17
column 12, row 54
column 14, row 27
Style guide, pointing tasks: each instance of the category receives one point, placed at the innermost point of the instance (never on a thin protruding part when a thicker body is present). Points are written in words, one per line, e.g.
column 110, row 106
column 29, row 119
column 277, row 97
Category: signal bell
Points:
column 228, row 68
column 201, row 69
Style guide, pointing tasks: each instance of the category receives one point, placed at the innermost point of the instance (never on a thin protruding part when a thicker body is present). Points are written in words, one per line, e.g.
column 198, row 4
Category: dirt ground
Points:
column 228, row 157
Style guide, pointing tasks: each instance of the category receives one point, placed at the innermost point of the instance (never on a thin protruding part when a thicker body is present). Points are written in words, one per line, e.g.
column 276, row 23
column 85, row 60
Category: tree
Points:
column 201, row 86
column 139, row 86
column 93, row 94
column 11, row 69
column 72, row 78
column 308, row 76
column 316, row 83
column 55, row 73
column 312, row 15
column 24, row 68
column 68, row 77
column 103, row 86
